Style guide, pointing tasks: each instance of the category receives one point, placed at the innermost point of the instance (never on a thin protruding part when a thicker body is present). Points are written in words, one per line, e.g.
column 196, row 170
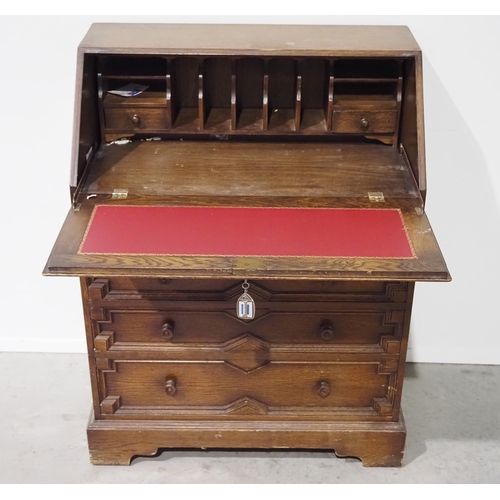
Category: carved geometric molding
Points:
column 101, row 287
column 104, row 341
column 247, row 406
column 246, row 352
column 258, row 290
column 259, row 314
column 98, row 313
column 393, row 292
column 397, row 292
column 261, row 291
column 110, row 405
column 105, row 364
column 98, row 289
column 388, row 367
column 390, row 344
column 382, row 406
column 394, row 316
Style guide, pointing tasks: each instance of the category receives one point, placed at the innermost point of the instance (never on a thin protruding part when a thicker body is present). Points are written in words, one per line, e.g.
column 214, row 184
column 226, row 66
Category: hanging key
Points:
column 245, row 307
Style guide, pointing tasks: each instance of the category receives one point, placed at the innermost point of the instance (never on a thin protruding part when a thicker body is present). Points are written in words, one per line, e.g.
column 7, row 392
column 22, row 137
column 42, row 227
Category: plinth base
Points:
column 376, row 444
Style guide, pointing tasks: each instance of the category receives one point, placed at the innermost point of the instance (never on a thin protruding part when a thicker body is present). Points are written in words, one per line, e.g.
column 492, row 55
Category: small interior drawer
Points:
column 135, row 118
column 364, row 122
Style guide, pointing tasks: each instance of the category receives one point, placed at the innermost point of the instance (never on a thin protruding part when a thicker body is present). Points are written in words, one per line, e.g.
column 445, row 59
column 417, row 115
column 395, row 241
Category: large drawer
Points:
column 201, row 388
column 157, row 289
column 177, row 327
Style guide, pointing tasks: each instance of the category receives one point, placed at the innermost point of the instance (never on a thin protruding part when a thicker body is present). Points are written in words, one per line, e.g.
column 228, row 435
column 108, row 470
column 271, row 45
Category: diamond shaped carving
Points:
column 247, row 406
column 246, row 352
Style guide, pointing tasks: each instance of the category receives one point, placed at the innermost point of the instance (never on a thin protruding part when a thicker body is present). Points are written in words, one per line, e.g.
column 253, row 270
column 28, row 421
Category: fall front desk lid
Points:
column 216, row 241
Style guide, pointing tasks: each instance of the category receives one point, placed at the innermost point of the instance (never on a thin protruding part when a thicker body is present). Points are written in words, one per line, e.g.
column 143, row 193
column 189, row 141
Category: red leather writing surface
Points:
column 230, row 231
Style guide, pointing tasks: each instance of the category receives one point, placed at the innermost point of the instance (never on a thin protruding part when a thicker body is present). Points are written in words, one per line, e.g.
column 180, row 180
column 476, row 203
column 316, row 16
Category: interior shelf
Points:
column 248, row 95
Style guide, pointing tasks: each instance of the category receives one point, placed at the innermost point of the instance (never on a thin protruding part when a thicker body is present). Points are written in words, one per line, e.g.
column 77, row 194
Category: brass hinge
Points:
column 376, row 196
column 119, row 194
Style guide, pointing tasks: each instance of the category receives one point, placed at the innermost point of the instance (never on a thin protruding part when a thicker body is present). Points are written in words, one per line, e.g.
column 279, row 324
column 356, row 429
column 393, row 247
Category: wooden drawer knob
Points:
column 135, row 118
column 326, row 331
column 323, row 388
column 171, row 387
column 167, row 330
column 364, row 123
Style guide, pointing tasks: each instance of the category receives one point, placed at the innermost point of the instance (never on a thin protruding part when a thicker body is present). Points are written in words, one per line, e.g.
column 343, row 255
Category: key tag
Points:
column 245, row 307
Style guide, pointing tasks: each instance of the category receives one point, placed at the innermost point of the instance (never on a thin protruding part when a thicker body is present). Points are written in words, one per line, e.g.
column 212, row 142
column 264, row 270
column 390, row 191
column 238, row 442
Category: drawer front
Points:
column 169, row 388
column 220, row 327
column 364, row 122
column 165, row 289
column 135, row 118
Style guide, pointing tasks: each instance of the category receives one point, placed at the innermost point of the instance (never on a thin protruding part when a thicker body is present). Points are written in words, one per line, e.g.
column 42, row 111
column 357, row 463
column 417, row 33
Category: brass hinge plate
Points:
column 119, row 194
column 376, row 196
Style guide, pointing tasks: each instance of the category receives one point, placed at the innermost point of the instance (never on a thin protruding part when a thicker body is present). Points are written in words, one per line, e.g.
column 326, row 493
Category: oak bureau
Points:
column 247, row 222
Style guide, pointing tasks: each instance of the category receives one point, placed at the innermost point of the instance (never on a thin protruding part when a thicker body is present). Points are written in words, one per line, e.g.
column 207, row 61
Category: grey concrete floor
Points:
column 452, row 414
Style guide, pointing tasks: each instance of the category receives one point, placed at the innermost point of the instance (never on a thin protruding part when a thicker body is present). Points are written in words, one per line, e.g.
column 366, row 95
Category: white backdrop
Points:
column 452, row 322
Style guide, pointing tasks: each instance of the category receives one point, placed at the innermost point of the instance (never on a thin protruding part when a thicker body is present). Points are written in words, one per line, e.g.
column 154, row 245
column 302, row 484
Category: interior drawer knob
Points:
column 324, row 388
column 326, row 331
column 364, row 123
column 135, row 118
column 167, row 330
column 171, row 387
